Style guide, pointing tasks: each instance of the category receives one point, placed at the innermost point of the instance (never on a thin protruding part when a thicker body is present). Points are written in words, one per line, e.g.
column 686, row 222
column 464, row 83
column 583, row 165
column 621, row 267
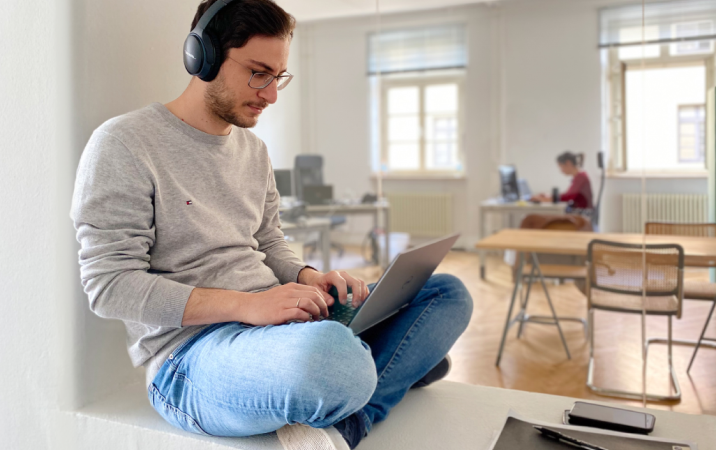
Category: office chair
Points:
column 693, row 290
column 618, row 275
column 308, row 170
column 598, row 203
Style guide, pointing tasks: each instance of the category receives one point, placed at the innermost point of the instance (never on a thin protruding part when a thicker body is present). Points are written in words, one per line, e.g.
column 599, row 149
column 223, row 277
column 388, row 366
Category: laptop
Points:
column 406, row 275
column 318, row 194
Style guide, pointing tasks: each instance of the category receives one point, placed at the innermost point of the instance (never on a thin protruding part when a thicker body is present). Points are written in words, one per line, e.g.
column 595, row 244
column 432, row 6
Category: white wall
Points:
column 336, row 103
column 280, row 124
column 31, row 74
column 75, row 63
column 128, row 55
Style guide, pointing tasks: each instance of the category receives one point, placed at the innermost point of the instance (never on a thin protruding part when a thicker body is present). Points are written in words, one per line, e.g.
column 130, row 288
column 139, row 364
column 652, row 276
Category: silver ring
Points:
column 299, row 301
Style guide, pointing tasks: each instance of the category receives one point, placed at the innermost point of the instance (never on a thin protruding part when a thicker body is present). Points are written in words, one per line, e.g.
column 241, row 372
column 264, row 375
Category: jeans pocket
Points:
column 173, row 415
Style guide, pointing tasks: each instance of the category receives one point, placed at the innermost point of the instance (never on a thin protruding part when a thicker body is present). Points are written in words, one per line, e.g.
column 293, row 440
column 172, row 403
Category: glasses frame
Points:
column 284, row 75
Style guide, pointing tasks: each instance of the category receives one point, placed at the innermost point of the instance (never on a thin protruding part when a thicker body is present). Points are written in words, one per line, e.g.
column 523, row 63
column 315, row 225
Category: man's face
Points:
column 229, row 96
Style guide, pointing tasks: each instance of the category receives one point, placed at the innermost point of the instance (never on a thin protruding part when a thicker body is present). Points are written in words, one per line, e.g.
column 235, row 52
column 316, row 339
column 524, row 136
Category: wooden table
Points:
column 698, row 252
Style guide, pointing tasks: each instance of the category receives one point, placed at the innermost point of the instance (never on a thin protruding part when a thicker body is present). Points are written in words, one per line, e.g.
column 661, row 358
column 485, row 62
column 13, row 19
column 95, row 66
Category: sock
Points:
column 352, row 428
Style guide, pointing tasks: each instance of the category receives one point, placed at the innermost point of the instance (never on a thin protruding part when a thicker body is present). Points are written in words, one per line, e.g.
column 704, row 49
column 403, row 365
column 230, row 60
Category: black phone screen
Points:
column 610, row 415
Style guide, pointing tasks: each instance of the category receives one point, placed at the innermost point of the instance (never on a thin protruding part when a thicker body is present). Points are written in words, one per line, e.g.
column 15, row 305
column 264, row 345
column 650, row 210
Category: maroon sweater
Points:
column 579, row 192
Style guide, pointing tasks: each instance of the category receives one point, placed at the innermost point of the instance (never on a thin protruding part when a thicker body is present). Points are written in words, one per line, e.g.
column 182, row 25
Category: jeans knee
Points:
column 335, row 374
column 451, row 287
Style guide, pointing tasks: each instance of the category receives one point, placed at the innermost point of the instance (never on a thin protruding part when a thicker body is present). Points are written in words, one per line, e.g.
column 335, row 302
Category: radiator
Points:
column 421, row 214
column 674, row 208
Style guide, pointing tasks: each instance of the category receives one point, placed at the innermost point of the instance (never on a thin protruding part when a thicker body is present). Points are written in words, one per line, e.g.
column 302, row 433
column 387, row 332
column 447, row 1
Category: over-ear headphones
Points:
column 202, row 52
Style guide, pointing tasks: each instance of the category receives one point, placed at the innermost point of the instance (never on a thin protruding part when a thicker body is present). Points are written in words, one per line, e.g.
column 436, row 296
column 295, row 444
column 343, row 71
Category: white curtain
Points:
column 425, row 48
column 663, row 21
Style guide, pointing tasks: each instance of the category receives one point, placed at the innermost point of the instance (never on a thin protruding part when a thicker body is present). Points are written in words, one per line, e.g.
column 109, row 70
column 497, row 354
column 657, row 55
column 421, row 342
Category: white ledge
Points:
column 445, row 415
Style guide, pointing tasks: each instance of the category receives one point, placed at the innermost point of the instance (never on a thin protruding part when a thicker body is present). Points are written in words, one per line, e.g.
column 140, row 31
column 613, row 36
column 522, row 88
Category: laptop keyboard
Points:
column 342, row 313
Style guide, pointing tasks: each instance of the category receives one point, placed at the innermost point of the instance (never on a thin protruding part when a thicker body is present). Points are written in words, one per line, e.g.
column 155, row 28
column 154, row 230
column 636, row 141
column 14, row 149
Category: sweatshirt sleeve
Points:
column 113, row 214
column 279, row 258
column 575, row 188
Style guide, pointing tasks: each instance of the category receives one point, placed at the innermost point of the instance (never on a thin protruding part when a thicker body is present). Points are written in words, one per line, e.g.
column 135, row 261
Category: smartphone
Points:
column 609, row 418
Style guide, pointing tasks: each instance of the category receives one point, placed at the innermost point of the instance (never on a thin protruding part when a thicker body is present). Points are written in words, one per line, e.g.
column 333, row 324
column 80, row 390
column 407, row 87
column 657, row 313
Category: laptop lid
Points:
column 406, row 275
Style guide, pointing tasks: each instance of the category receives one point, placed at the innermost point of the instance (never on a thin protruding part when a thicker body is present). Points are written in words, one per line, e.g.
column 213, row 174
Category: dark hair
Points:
column 575, row 159
column 241, row 20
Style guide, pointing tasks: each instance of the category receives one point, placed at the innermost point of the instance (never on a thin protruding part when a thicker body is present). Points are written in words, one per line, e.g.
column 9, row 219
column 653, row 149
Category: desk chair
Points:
column 308, row 170
column 558, row 267
column 615, row 282
column 693, row 290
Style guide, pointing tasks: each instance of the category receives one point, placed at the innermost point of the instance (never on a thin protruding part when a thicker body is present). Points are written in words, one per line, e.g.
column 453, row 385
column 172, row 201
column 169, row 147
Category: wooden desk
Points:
column 698, row 252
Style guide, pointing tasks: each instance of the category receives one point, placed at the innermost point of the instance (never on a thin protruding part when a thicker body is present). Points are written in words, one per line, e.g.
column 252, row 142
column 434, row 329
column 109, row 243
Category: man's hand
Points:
column 340, row 279
column 272, row 307
column 281, row 304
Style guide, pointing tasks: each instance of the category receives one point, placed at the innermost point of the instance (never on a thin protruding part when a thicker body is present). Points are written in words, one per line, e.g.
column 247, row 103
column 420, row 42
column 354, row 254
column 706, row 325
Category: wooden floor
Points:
column 537, row 362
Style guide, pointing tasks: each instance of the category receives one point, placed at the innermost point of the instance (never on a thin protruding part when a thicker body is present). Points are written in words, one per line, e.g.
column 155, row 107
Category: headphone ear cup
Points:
column 214, row 57
column 193, row 54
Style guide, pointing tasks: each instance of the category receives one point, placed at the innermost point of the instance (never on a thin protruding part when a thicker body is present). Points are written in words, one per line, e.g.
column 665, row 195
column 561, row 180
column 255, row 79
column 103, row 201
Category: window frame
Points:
column 700, row 142
column 422, row 81
column 616, row 120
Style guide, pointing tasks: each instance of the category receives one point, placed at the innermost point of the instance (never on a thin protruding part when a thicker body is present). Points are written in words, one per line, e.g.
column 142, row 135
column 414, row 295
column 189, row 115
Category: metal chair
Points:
column 628, row 278
column 558, row 267
column 693, row 290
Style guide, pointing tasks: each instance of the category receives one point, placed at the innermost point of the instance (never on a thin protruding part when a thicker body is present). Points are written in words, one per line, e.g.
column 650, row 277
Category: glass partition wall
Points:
column 658, row 60
column 651, row 165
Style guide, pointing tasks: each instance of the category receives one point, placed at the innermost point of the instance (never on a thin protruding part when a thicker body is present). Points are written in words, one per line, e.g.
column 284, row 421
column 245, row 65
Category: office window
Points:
column 690, row 30
column 421, row 125
column 634, row 34
column 652, row 109
column 661, row 122
column 692, row 133
column 416, row 103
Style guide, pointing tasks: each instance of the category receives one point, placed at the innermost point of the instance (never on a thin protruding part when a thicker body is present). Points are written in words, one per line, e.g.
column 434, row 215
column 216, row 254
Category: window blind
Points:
column 428, row 48
column 665, row 22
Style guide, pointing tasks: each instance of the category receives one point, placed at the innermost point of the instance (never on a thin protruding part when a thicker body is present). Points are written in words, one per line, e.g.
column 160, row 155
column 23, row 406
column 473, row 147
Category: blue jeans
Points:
column 233, row 379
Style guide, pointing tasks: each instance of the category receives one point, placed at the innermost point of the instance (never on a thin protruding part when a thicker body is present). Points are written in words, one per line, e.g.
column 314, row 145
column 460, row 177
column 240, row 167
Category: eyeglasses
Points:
column 260, row 80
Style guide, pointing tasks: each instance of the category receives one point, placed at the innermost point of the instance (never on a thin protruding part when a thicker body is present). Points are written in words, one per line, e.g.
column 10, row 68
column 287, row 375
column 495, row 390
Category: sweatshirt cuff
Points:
column 289, row 273
column 166, row 303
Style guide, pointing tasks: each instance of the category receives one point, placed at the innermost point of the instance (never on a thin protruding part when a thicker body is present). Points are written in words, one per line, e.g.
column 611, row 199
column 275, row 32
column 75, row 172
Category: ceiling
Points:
column 305, row 10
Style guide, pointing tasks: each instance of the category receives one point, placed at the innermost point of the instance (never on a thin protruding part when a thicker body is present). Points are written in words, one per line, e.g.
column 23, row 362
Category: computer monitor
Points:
column 284, row 182
column 508, row 183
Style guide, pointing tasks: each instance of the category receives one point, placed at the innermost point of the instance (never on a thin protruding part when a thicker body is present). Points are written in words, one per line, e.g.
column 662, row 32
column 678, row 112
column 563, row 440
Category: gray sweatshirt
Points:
column 160, row 208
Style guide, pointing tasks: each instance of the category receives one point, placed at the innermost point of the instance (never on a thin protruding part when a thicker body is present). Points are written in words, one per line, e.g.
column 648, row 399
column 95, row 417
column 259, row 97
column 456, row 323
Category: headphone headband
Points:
column 202, row 53
column 209, row 14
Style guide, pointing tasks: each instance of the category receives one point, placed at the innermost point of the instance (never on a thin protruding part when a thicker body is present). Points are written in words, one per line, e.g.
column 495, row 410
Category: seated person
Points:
column 579, row 194
column 177, row 213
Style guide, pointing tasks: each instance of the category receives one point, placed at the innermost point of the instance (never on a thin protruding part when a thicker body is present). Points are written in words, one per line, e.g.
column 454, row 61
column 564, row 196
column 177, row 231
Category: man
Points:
column 176, row 210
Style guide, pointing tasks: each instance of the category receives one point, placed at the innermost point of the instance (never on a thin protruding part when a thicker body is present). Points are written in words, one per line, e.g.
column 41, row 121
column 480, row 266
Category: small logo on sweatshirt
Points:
column 189, row 203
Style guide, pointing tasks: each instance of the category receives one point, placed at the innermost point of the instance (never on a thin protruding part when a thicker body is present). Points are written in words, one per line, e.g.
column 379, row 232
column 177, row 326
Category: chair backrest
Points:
column 681, row 229
column 308, row 171
column 618, row 267
column 570, row 222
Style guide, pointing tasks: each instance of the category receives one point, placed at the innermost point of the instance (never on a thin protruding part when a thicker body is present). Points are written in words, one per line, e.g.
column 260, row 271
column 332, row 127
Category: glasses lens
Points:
column 283, row 81
column 260, row 80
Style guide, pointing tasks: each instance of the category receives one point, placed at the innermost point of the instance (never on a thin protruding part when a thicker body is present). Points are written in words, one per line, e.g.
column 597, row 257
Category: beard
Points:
column 221, row 103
